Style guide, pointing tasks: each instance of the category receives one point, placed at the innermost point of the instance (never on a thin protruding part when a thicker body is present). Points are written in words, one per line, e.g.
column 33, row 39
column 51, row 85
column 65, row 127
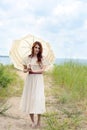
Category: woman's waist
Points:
column 35, row 72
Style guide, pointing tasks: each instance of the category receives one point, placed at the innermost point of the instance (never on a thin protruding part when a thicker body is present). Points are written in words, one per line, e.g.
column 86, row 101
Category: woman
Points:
column 33, row 98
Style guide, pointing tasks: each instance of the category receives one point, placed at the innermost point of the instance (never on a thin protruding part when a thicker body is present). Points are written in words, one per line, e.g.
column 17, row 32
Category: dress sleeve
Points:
column 26, row 61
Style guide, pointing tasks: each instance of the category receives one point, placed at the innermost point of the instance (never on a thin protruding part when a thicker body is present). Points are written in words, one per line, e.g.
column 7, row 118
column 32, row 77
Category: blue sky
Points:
column 63, row 23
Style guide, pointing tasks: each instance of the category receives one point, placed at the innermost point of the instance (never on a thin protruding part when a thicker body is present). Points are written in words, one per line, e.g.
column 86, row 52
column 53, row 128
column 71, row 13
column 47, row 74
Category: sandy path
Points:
column 14, row 118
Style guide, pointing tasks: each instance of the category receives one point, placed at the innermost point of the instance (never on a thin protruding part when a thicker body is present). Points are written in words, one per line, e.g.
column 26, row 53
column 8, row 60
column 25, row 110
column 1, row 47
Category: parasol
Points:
column 22, row 48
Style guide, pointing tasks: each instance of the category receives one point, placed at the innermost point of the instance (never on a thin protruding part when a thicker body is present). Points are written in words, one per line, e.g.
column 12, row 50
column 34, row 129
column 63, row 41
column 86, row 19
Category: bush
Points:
column 11, row 83
column 5, row 76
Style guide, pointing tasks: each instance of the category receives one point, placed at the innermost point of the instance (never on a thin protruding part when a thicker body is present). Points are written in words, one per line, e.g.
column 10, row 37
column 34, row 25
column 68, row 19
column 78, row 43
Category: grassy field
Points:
column 65, row 90
column 70, row 81
column 10, row 85
column 68, row 90
column 10, row 82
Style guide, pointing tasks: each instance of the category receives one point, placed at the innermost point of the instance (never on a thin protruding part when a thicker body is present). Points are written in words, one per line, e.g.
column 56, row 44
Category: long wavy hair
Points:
column 39, row 55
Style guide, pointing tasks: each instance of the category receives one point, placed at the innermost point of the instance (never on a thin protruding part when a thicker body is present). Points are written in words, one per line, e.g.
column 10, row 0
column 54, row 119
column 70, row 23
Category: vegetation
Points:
column 10, row 83
column 66, row 96
column 70, row 81
column 68, row 93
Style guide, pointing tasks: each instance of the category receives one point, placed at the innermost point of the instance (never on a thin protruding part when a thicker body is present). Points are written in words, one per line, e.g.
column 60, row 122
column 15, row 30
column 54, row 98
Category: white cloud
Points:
column 62, row 23
column 67, row 9
column 1, row 23
column 85, row 24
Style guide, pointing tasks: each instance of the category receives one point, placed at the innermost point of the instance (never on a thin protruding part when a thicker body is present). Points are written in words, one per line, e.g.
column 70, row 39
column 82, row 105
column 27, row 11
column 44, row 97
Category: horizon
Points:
column 55, row 58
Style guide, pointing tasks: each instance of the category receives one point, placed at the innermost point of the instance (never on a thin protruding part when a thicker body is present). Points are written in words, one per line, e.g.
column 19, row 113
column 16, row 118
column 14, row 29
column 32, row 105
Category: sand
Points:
column 14, row 119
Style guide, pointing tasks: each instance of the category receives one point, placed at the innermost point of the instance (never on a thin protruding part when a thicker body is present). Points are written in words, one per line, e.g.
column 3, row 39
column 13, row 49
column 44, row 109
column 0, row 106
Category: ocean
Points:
column 5, row 60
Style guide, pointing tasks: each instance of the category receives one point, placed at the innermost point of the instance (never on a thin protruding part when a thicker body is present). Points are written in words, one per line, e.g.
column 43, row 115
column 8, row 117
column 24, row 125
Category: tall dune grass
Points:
column 10, row 83
column 70, row 81
column 69, row 87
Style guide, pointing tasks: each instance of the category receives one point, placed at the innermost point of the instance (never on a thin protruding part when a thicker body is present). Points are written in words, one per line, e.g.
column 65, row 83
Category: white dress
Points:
column 33, row 98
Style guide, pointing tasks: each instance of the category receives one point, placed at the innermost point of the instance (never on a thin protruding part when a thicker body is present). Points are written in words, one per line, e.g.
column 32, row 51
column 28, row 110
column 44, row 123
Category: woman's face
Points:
column 36, row 49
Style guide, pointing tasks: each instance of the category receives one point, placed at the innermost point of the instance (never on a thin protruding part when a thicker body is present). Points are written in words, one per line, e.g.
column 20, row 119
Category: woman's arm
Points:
column 38, row 71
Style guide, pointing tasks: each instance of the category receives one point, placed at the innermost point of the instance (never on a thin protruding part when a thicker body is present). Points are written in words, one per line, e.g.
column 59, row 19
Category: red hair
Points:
column 39, row 55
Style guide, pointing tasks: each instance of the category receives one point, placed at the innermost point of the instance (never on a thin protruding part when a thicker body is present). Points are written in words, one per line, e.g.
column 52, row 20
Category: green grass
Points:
column 68, row 87
column 5, row 76
column 10, row 82
column 10, row 85
column 69, row 81
column 54, row 123
column 4, row 106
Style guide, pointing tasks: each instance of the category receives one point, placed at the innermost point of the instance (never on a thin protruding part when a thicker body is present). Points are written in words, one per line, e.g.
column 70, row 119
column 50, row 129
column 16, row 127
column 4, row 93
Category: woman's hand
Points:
column 25, row 69
column 29, row 68
column 40, row 71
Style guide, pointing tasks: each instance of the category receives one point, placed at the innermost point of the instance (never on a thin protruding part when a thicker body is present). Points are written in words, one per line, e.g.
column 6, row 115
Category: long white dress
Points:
column 33, row 98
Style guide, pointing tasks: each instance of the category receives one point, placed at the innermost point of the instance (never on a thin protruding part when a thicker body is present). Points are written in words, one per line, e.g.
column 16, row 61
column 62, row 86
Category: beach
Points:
column 64, row 110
